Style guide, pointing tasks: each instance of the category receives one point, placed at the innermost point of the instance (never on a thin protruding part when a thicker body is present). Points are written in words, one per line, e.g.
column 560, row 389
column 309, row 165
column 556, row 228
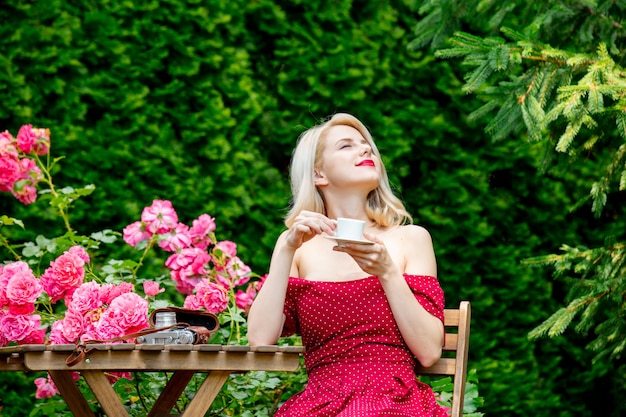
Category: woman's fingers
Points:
column 308, row 224
column 316, row 222
column 373, row 259
column 372, row 238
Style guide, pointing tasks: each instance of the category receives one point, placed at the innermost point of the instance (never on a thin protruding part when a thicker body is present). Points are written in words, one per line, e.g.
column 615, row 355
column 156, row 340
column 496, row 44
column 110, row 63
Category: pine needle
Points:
column 567, row 137
column 620, row 120
column 478, row 77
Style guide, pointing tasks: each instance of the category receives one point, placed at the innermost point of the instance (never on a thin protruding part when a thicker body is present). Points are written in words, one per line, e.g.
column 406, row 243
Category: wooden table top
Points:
column 149, row 357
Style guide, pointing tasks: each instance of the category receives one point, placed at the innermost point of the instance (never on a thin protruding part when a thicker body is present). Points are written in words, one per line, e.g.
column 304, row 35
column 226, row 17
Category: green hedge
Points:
column 200, row 103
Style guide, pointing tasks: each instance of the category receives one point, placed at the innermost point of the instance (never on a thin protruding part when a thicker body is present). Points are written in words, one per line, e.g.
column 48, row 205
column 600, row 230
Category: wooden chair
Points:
column 454, row 359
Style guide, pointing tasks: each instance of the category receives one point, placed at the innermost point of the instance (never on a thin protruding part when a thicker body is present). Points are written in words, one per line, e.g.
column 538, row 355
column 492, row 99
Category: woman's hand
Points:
column 306, row 225
column 372, row 259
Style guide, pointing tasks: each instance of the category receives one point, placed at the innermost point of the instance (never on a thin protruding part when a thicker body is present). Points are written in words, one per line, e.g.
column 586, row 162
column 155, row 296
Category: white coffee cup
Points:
column 349, row 229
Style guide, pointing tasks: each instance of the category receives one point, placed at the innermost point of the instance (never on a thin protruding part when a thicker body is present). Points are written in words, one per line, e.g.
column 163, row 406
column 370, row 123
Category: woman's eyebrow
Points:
column 344, row 140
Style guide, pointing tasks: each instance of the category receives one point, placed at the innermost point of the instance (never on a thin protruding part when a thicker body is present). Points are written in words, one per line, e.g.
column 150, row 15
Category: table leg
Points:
column 171, row 393
column 209, row 389
column 71, row 394
column 105, row 394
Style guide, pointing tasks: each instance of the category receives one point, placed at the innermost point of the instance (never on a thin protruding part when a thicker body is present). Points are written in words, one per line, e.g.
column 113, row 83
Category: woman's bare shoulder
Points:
column 414, row 233
column 418, row 251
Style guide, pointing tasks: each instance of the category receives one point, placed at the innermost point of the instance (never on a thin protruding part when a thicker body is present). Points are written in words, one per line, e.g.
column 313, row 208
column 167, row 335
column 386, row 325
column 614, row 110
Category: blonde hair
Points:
column 383, row 207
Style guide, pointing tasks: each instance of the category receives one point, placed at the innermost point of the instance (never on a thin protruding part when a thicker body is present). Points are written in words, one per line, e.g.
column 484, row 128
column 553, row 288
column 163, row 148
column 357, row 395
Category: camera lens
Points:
column 165, row 319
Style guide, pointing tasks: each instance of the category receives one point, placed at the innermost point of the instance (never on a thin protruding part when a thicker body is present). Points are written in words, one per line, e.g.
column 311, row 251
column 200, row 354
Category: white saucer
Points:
column 342, row 241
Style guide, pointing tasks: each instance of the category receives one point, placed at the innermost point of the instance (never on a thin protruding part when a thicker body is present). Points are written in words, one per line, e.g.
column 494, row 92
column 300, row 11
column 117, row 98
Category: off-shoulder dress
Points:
column 357, row 363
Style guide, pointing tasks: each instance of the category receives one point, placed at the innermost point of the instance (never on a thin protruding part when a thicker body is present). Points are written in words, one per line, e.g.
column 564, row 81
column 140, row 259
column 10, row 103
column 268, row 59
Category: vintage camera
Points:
column 174, row 335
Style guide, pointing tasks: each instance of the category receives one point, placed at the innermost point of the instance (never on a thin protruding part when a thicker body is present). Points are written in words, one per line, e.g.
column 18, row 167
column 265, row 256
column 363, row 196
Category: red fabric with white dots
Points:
column 357, row 362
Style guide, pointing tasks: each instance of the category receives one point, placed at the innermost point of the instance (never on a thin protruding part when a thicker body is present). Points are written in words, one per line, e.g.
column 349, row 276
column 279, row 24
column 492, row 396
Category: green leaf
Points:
column 9, row 221
column 105, row 236
column 31, row 250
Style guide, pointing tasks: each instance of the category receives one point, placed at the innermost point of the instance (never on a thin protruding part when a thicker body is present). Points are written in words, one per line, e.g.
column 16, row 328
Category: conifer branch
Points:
column 571, row 87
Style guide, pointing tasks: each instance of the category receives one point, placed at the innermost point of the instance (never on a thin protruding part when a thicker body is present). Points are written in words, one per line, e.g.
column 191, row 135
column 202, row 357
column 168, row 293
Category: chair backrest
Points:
column 454, row 360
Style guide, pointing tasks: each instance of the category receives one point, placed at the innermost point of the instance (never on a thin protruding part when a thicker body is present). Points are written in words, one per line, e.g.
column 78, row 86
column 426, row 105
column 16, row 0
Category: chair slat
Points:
column 457, row 343
column 451, row 317
column 443, row 367
column 451, row 342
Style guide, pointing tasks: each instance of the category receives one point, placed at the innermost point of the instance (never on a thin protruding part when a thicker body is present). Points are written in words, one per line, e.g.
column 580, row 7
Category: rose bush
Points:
column 51, row 292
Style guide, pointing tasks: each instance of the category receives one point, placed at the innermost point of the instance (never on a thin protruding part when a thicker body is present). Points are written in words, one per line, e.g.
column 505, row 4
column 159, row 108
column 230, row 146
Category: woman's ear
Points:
column 319, row 178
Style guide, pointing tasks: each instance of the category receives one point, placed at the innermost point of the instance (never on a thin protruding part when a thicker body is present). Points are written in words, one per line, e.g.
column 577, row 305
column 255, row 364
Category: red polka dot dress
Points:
column 358, row 365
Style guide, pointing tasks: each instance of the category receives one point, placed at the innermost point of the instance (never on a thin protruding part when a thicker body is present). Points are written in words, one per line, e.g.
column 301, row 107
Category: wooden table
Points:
column 218, row 361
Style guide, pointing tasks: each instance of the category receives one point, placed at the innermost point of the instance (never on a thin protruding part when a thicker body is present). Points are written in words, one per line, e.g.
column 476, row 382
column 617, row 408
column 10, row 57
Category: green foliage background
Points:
column 200, row 102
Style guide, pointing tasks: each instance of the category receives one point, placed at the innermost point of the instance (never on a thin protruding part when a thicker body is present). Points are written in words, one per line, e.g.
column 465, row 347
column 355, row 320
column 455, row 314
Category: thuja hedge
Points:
column 200, row 103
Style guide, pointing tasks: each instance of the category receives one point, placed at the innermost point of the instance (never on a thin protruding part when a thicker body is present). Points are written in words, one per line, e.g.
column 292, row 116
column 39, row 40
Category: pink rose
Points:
column 175, row 239
column 151, row 288
column 73, row 326
column 188, row 268
column 211, row 296
column 244, row 300
column 3, row 338
column 45, row 388
column 227, row 248
column 24, row 188
column 135, row 233
column 56, row 334
column 109, row 292
column 42, row 143
column 184, row 280
column 36, row 336
column 128, row 313
column 160, row 217
column 30, row 170
column 201, row 231
column 21, row 287
column 80, row 252
column 91, row 320
column 222, row 277
column 260, row 282
column 65, row 274
column 4, row 280
column 25, row 193
column 238, row 271
column 85, row 298
column 106, row 327
column 7, row 145
column 195, row 258
column 9, row 172
column 26, row 138
column 192, row 302
column 235, row 274
column 21, row 328
column 35, row 140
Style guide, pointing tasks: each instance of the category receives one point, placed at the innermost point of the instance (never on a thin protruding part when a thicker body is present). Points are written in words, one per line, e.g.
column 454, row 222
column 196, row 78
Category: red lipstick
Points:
column 366, row 163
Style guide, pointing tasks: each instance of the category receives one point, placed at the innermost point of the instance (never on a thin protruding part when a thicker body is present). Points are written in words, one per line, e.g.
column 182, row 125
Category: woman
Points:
column 366, row 313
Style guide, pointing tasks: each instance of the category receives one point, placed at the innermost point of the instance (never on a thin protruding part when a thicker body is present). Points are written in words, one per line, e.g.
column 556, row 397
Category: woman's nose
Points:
column 366, row 149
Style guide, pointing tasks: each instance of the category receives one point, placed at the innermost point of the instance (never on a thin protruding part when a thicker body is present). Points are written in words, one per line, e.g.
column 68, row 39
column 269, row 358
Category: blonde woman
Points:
column 366, row 312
